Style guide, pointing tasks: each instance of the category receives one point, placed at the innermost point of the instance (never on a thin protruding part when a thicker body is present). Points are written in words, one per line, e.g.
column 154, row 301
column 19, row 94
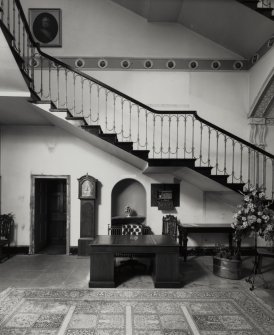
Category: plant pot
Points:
column 227, row 268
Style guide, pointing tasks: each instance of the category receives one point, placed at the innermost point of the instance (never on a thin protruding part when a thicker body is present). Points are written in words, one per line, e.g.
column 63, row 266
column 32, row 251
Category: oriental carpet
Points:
column 51, row 311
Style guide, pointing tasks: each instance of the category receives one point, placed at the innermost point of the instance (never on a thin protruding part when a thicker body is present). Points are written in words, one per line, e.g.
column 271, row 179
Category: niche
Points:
column 128, row 192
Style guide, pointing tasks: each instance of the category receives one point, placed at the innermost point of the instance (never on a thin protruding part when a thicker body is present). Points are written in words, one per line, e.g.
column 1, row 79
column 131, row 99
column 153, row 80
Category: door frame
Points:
column 32, row 209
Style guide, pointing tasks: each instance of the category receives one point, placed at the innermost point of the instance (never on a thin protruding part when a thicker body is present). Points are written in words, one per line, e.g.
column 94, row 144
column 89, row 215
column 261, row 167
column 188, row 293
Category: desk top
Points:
column 134, row 240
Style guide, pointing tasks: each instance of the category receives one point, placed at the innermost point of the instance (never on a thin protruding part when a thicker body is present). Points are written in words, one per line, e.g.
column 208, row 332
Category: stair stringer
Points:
column 77, row 131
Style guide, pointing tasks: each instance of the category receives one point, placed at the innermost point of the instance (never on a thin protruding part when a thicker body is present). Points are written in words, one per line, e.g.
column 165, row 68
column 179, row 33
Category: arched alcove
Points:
column 128, row 192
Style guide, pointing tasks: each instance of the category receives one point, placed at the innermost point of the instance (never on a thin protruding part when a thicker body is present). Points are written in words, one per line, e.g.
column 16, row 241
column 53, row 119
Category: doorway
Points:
column 50, row 216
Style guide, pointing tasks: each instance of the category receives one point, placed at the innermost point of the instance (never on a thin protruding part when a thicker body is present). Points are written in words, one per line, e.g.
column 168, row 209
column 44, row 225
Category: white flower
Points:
column 260, row 213
column 244, row 218
column 246, row 198
column 259, row 220
column 261, row 195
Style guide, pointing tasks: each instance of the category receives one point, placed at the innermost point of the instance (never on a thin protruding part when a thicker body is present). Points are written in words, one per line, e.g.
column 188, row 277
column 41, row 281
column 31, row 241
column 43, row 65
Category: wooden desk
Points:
column 104, row 248
column 185, row 229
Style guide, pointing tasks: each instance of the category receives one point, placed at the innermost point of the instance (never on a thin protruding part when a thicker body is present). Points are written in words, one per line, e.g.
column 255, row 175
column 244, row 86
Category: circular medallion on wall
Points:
column 193, row 64
column 102, row 63
column 215, row 65
column 125, row 64
column 171, row 64
column 79, row 62
column 254, row 59
column 148, row 64
column 238, row 65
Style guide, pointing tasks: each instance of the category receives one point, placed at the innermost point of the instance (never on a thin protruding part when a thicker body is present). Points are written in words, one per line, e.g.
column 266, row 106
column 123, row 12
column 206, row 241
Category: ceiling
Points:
column 226, row 22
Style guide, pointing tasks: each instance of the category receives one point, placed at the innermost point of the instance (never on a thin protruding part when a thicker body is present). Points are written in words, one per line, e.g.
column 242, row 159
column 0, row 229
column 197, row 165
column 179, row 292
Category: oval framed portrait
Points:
column 45, row 25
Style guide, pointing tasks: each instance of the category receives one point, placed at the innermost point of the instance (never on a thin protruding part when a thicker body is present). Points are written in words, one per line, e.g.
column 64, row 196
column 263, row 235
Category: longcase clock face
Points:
column 88, row 189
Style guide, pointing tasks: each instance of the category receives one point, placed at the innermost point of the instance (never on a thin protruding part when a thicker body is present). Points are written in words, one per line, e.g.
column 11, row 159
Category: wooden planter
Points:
column 227, row 268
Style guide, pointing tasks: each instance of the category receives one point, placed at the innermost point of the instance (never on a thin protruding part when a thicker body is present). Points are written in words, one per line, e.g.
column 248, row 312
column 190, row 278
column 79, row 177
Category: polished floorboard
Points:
column 73, row 272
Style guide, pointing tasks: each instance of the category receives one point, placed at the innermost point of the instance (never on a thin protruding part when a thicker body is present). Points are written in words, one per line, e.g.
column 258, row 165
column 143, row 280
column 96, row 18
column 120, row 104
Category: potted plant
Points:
column 253, row 217
column 227, row 262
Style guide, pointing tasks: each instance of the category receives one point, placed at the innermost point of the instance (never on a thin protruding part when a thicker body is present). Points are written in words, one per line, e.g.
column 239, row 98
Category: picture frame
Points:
column 46, row 26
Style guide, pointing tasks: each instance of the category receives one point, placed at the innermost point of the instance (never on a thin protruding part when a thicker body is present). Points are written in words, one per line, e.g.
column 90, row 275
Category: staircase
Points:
column 161, row 138
column 264, row 7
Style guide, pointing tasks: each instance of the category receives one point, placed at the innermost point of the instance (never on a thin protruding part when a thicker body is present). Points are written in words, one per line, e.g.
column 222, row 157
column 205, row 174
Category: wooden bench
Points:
column 6, row 222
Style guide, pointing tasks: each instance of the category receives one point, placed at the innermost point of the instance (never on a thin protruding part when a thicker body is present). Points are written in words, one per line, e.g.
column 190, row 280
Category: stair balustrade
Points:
column 166, row 134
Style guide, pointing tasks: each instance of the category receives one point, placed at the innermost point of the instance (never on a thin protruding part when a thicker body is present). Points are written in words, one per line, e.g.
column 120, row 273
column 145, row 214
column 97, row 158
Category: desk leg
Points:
column 230, row 240
column 166, row 271
column 101, row 270
column 185, row 240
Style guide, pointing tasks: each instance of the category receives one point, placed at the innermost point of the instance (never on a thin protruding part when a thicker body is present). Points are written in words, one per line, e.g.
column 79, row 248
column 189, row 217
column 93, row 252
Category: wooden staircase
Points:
column 190, row 156
column 262, row 7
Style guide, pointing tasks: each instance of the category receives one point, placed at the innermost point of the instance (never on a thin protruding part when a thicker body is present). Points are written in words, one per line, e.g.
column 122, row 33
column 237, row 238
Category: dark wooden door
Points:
column 40, row 216
column 57, row 211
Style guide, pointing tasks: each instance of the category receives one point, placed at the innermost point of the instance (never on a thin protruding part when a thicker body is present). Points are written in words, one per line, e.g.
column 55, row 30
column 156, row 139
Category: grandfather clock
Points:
column 87, row 196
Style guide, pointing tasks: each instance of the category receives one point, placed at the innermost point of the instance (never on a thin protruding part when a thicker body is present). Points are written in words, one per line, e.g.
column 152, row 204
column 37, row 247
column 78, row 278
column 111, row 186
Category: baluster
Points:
column 169, row 148
column 8, row 18
column 225, row 141
column 66, row 87
column 161, row 147
column 192, row 140
column 19, row 33
column 23, row 42
column 264, row 172
column 90, row 103
column 50, row 93
column 32, row 68
column 153, row 135
column 130, row 113
column 98, row 99
column 201, row 142
column 28, row 55
column 184, row 136
column 114, row 112
column 106, row 113
column 82, row 96
column 58, row 85
column 241, row 165
column 233, row 159
column 257, row 169
column 41, row 82
column 74, row 93
column 122, row 125
column 217, row 152
column 209, row 135
column 249, row 167
column 138, row 127
column 177, row 136
column 254, row 168
column 146, row 129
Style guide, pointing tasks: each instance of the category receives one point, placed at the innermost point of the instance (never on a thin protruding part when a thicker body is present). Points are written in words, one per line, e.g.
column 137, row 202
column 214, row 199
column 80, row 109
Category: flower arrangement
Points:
column 128, row 210
column 253, row 215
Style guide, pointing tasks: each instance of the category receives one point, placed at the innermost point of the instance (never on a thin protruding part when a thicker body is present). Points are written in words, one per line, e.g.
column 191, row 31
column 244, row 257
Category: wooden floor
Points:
column 73, row 272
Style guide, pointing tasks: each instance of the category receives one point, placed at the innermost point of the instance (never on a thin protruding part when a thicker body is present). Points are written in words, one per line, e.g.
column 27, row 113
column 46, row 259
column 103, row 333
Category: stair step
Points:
column 171, row 162
column 219, row 178
column 112, row 138
column 93, row 129
column 206, row 170
column 236, row 186
column 34, row 96
column 127, row 146
column 46, row 102
column 77, row 119
column 61, row 110
column 143, row 154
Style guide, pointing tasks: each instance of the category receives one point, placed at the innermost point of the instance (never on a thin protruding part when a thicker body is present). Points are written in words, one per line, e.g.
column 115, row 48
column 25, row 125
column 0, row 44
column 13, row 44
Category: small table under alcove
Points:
column 186, row 228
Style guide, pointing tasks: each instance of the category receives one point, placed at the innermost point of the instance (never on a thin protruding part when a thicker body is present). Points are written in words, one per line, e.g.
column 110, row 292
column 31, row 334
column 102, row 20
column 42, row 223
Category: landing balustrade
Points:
column 166, row 134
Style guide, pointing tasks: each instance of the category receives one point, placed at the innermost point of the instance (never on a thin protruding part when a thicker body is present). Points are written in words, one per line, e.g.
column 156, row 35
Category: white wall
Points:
column 259, row 75
column 46, row 150
column 103, row 28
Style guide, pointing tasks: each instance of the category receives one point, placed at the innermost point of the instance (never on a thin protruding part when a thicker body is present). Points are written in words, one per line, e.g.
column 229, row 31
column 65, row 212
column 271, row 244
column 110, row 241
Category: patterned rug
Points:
column 133, row 312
